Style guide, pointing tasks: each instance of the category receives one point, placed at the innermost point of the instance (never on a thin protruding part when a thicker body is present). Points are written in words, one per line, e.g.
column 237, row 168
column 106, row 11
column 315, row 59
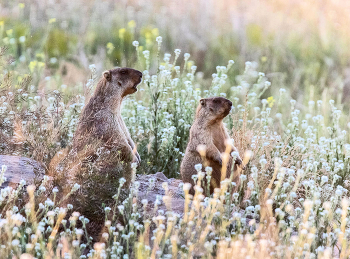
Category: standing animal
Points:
column 101, row 118
column 102, row 149
column 209, row 134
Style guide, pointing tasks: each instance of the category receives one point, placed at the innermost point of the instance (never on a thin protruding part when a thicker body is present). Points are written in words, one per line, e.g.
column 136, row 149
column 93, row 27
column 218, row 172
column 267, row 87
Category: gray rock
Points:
column 161, row 176
column 151, row 186
column 19, row 168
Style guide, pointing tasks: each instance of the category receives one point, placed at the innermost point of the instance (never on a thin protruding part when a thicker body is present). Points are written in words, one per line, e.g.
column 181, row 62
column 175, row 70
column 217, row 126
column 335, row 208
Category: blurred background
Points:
column 302, row 46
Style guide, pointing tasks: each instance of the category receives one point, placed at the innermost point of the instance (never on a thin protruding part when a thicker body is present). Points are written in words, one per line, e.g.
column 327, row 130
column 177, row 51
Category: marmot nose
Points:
column 230, row 103
column 140, row 73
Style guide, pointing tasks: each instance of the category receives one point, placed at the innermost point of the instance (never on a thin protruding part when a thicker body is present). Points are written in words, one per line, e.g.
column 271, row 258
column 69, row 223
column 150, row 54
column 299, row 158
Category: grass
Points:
column 289, row 123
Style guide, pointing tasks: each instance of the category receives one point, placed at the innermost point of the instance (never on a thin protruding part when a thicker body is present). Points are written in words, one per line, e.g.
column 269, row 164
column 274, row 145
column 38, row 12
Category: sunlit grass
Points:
column 288, row 122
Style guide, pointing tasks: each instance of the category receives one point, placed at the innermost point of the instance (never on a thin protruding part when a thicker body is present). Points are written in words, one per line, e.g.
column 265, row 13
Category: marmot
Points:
column 101, row 118
column 208, row 132
column 102, row 150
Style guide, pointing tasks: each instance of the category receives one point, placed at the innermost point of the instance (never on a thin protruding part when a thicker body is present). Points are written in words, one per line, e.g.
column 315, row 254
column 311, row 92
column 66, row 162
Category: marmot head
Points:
column 213, row 109
column 125, row 79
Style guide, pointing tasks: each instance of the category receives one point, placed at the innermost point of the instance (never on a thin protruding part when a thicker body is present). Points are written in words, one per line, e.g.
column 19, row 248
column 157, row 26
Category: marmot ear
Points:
column 202, row 101
column 108, row 75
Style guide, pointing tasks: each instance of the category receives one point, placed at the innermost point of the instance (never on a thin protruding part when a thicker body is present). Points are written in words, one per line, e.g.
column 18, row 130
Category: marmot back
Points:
column 209, row 133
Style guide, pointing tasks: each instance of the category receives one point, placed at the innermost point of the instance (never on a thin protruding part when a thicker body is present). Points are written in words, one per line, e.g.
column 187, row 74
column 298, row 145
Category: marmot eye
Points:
column 122, row 71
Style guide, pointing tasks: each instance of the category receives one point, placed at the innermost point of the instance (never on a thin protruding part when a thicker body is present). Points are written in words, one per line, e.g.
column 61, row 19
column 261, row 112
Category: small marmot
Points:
column 209, row 133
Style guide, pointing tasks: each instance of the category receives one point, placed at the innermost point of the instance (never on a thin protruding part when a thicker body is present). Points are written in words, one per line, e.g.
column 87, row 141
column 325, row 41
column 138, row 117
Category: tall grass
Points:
column 292, row 198
column 292, row 192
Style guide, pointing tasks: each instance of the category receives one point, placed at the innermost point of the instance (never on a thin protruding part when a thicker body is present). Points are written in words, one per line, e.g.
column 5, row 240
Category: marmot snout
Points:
column 208, row 131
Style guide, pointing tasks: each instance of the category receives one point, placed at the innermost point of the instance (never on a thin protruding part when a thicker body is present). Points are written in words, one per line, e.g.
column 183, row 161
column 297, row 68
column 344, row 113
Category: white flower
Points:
column 135, row 43
column 17, row 219
column 105, row 235
column 133, row 166
column 177, row 52
column 146, row 54
column 198, row 167
column 122, row 181
column 92, row 67
column 243, row 177
column 75, row 187
column 159, row 39
column 208, row 170
column 79, row 232
column 15, row 242
column 187, row 186
column 22, row 39
column 250, row 185
column 53, row 60
column 267, row 83
column 235, row 154
column 121, row 208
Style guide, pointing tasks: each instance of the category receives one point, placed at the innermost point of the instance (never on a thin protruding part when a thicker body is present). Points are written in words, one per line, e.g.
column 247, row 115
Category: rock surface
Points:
column 19, row 168
column 151, row 186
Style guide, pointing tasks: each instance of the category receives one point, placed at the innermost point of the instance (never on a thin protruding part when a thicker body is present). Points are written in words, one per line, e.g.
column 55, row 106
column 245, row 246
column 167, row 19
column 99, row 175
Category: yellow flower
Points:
column 110, row 47
column 155, row 32
column 9, row 32
column 121, row 33
column 189, row 64
column 41, row 65
column 148, row 35
column 270, row 101
column 132, row 24
column 21, row 5
column 148, row 41
column 263, row 59
column 32, row 65
column 52, row 20
column 40, row 56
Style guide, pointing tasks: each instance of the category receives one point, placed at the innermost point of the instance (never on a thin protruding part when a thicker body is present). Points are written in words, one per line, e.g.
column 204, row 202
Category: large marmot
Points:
column 101, row 118
column 208, row 134
column 102, row 150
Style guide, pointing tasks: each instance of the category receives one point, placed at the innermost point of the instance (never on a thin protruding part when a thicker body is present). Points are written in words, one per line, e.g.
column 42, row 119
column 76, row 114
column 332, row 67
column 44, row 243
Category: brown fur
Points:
column 101, row 142
column 102, row 149
column 101, row 118
column 101, row 127
column 209, row 130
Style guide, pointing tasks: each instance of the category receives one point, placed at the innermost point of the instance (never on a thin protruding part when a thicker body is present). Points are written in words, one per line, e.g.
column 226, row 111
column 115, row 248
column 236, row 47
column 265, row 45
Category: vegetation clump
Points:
column 290, row 128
